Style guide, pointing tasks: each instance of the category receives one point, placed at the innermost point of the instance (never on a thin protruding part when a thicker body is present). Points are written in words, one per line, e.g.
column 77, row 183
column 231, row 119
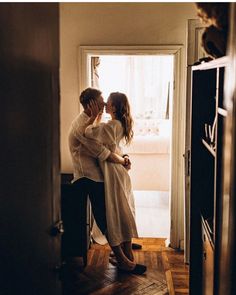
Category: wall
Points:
column 111, row 24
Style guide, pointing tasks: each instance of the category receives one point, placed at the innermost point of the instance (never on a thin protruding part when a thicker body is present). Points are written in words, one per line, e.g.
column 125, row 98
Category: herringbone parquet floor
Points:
column 100, row 277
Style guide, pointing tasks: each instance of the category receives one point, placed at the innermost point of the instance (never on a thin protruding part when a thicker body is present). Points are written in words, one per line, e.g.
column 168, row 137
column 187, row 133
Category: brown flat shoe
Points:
column 139, row 269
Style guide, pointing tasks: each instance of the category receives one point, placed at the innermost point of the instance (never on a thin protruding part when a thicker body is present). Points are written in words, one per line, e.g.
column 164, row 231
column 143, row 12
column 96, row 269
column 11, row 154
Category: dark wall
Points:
column 29, row 150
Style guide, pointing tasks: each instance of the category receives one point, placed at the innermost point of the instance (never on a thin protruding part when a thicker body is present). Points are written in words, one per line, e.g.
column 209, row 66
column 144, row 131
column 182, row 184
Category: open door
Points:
column 194, row 53
column 30, row 183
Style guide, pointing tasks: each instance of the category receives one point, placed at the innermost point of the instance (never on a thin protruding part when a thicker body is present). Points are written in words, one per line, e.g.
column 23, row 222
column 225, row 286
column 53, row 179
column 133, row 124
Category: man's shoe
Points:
column 136, row 246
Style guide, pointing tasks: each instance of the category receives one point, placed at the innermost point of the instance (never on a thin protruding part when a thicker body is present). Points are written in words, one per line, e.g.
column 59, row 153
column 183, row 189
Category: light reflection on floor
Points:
column 152, row 213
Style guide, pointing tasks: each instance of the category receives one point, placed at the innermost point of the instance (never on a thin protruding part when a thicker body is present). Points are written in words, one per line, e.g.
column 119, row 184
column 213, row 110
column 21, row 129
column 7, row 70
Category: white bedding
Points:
column 148, row 144
column 150, row 158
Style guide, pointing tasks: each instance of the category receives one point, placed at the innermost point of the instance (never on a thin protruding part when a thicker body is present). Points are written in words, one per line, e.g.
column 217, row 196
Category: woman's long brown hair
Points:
column 121, row 104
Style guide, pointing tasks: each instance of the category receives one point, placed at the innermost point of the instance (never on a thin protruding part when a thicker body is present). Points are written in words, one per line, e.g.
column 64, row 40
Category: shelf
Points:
column 222, row 112
column 216, row 63
column 209, row 148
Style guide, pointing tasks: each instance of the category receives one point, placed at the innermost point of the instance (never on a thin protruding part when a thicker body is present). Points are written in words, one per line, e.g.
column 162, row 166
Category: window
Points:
column 147, row 80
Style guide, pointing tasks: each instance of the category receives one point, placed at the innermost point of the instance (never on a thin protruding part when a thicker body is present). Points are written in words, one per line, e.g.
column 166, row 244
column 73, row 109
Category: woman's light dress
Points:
column 119, row 197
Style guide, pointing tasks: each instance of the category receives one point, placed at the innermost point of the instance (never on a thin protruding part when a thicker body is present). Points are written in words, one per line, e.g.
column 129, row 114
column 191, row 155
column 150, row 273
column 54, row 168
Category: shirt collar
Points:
column 85, row 115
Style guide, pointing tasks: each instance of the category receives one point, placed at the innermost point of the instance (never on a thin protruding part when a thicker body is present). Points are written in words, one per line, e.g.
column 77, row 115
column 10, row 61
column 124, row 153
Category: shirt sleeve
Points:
column 95, row 148
column 105, row 133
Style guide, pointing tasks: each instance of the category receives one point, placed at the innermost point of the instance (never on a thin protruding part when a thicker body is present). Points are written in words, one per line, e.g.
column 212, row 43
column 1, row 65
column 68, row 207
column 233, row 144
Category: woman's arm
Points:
column 103, row 133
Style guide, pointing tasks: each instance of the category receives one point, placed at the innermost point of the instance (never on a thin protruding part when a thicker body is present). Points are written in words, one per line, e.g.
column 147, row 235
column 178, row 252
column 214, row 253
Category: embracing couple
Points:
column 101, row 172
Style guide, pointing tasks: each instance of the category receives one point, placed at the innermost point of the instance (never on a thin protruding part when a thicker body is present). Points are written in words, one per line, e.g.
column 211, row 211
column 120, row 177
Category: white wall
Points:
column 111, row 24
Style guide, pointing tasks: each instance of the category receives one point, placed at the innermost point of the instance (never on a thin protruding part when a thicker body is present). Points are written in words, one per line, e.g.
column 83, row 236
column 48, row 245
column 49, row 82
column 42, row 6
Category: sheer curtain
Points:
column 95, row 62
column 146, row 80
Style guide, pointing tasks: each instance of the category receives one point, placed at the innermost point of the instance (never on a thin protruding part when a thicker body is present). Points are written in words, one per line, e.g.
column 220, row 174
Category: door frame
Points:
column 178, row 120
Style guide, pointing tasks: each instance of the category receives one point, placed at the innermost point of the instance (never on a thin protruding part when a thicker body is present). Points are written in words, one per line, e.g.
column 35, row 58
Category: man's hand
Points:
column 95, row 113
column 94, row 109
column 115, row 158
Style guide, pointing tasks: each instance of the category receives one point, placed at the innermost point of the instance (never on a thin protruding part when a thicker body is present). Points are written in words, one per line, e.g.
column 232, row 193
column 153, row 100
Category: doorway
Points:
column 147, row 80
column 177, row 106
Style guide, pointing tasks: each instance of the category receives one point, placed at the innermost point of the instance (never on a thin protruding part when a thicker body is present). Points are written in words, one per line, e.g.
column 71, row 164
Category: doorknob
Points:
column 57, row 229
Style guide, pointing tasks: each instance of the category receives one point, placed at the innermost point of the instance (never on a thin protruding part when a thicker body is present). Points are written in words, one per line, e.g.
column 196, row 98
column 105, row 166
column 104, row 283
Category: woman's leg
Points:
column 127, row 249
column 122, row 260
column 126, row 265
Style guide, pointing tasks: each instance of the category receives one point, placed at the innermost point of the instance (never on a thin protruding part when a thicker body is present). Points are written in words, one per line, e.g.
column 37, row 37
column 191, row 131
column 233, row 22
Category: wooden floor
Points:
column 166, row 273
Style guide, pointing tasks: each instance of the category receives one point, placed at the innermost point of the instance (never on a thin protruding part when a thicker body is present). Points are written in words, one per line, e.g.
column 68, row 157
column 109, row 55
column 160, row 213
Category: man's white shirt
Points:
column 85, row 152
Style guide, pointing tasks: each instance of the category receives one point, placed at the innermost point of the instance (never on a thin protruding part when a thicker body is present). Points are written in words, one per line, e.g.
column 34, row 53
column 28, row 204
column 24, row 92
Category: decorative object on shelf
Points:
column 210, row 134
column 215, row 36
column 207, row 132
column 213, row 133
column 202, row 60
column 214, row 42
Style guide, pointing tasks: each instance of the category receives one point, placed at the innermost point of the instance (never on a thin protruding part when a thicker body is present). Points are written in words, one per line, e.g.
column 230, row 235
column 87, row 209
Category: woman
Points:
column 121, row 227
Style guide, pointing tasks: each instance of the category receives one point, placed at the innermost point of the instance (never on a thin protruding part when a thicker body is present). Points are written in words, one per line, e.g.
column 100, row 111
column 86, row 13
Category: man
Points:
column 88, row 178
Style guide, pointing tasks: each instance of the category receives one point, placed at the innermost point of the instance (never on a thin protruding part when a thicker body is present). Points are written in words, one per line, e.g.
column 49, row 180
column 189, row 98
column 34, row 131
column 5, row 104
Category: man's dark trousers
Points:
column 74, row 215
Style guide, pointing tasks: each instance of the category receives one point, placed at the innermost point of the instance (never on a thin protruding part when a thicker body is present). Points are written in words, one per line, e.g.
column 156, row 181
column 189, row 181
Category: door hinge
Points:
column 188, row 163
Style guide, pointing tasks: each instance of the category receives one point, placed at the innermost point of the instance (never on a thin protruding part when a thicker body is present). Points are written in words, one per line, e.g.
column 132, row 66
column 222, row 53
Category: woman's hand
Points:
column 99, row 117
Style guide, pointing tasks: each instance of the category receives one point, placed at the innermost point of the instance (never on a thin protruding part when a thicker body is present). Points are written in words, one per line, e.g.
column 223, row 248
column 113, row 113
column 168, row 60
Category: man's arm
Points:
column 124, row 160
column 115, row 158
column 98, row 150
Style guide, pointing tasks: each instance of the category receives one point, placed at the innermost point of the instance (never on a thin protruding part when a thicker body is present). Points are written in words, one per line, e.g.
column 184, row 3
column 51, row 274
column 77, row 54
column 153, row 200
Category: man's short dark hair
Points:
column 89, row 94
